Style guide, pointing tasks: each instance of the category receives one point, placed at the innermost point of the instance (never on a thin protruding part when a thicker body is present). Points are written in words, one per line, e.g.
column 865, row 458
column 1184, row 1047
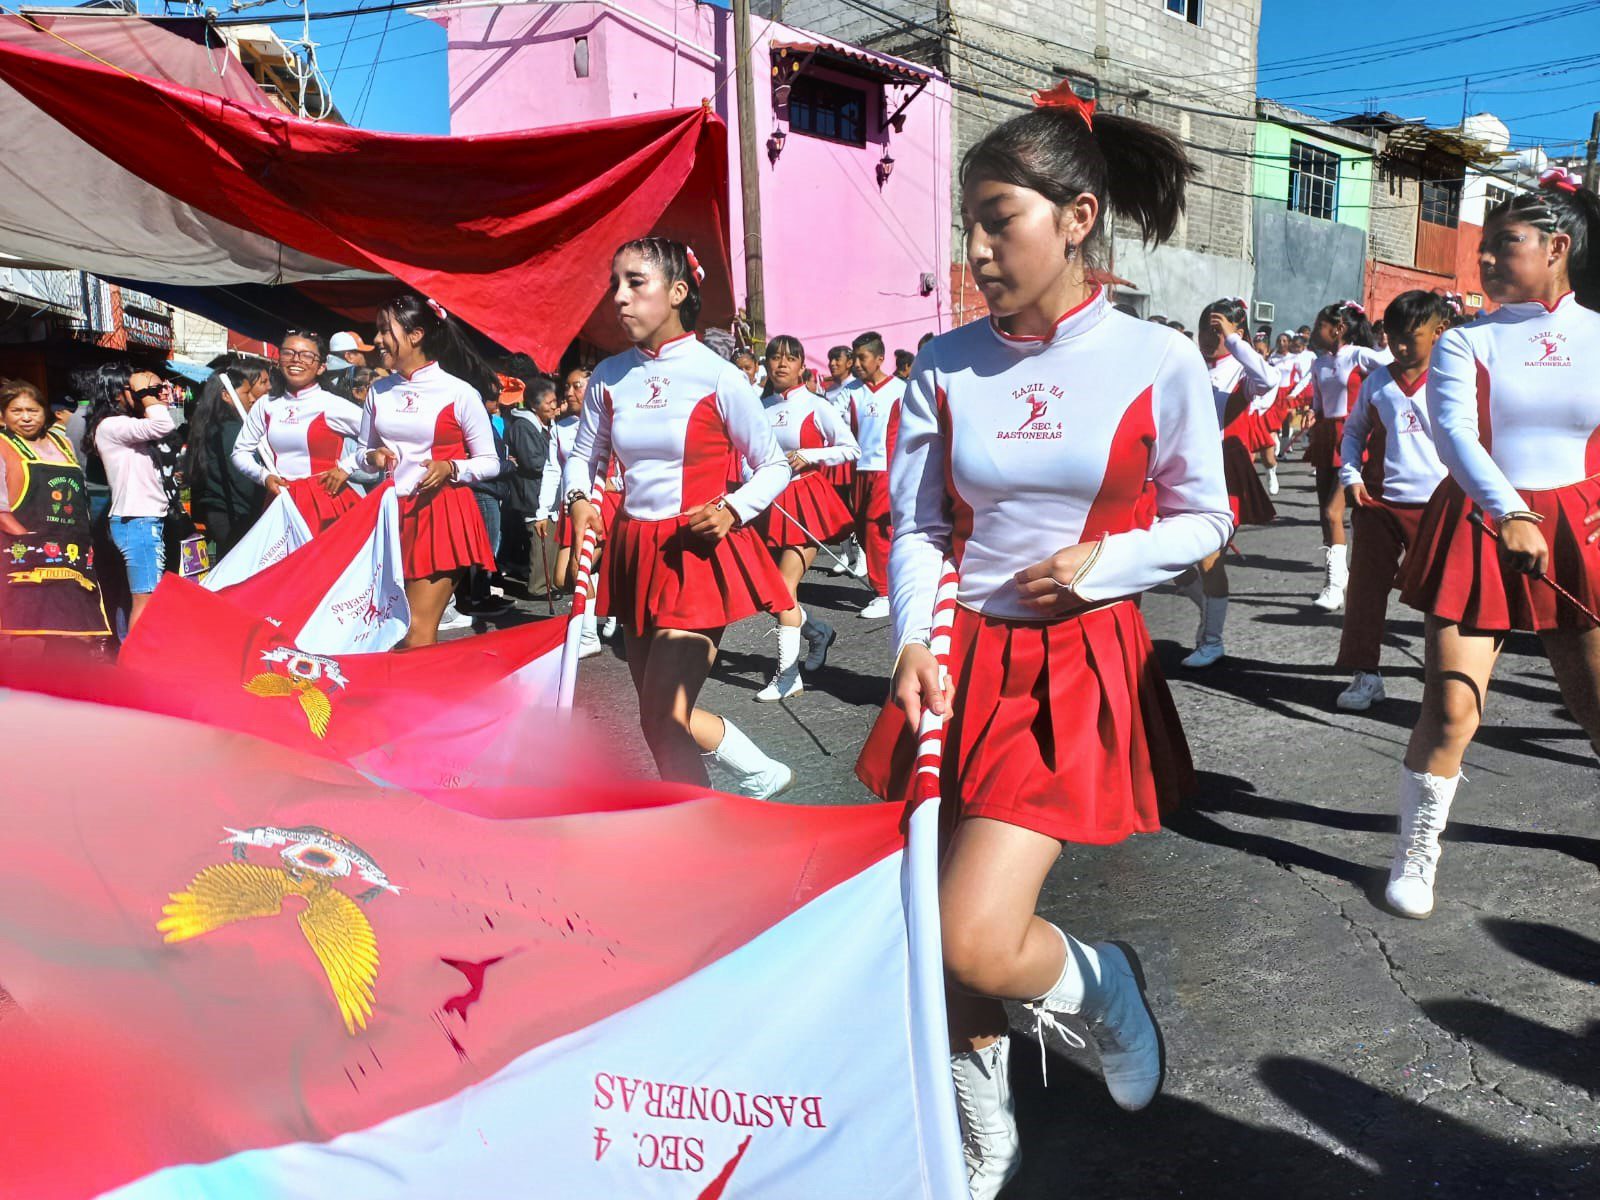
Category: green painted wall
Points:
column 1272, row 171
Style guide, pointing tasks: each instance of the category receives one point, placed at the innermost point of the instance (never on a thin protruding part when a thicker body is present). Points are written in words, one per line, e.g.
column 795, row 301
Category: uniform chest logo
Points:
column 1036, row 426
column 655, row 389
column 333, row 922
column 780, row 418
column 1548, row 350
column 309, row 679
column 1410, row 422
column 408, row 402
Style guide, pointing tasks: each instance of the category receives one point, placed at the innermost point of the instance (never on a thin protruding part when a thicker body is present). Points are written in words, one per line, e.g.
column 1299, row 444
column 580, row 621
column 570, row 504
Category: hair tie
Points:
column 1355, row 308
column 1560, row 179
column 1062, row 96
column 438, row 310
column 695, row 268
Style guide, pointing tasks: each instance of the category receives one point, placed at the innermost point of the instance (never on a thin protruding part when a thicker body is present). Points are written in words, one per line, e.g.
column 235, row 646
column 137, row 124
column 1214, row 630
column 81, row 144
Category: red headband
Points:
column 1062, row 96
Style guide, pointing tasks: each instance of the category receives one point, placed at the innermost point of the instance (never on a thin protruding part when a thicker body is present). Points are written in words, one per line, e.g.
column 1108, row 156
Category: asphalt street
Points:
column 1319, row 1047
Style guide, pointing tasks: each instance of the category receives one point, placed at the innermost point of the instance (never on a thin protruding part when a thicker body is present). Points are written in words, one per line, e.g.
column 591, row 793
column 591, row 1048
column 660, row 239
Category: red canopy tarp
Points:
column 511, row 232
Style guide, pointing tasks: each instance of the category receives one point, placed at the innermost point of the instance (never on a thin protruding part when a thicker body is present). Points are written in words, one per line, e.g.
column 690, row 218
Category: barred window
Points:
column 1441, row 202
column 1313, row 181
column 1494, row 197
column 828, row 110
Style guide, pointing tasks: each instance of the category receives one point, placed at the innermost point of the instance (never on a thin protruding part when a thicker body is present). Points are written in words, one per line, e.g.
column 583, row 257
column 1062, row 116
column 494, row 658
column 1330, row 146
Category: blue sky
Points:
column 388, row 70
column 1542, row 77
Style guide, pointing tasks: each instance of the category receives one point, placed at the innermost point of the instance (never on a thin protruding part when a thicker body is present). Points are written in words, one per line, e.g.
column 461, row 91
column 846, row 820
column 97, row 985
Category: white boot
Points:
column 1272, row 481
column 608, row 628
column 755, row 775
column 841, row 564
column 1424, row 811
column 1336, row 576
column 589, row 642
column 1104, row 985
column 858, row 559
column 988, row 1117
column 1208, row 645
column 786, row 680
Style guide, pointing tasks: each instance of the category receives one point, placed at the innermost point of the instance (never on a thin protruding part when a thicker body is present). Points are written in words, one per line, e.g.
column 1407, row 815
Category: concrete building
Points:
column 855, row 167
column 1182, row 64
column 1312, row 200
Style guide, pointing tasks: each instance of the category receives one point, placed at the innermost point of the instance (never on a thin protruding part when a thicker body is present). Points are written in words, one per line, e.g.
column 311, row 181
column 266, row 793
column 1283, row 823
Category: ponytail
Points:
column 443, row 341
column 1562, row 205
column 1063, row 149
column 1353, row 318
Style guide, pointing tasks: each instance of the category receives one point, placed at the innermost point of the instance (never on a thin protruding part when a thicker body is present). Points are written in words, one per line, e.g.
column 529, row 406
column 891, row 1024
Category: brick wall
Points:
column 1396, row 196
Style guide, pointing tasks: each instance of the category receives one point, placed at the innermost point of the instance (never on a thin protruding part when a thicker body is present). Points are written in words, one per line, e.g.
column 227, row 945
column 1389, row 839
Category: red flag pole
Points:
column 582, row 595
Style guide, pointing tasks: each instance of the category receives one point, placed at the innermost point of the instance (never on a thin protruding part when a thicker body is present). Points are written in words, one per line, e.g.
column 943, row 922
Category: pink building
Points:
column 855, row 166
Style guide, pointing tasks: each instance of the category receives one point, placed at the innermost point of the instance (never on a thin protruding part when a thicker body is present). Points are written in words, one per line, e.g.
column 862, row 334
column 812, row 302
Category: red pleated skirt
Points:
column 442, row 531
column 1066, row 728
column 1247, row 495
column 317, row 507
column 841, row 476
column 1452, row 570
column 1322, row 447
column 1280, row 410
column 810, row 501
column 1251, row 430
column 661, row 576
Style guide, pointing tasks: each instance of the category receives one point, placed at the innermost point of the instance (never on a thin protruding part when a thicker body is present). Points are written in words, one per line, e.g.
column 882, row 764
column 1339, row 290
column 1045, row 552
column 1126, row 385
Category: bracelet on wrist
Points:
column 573, row 497
column 1523, row 515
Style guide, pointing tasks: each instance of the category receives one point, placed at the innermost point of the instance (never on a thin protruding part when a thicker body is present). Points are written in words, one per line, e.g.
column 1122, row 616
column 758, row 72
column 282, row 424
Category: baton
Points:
column 816, row 541
column 1476, row 518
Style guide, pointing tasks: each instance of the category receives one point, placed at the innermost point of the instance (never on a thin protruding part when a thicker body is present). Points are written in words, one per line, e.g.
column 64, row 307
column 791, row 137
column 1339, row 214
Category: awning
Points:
column 883, row 68
column 141, row 178
column 194, row 372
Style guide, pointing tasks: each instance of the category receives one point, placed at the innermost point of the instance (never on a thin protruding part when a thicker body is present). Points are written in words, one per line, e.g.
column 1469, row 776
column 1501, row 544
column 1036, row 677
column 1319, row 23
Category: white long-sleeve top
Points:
column 1242, row 369
column 1514, row 399
column 872, row 408
column 1010, row 449
column 562, row 436
column 1294, row 371
column 1411, row 466
column 1337, row 378
column 304, row 434
column 804, row 422
column 430, row 417
column 678, row 420
column 126, row 447
column 838, row 395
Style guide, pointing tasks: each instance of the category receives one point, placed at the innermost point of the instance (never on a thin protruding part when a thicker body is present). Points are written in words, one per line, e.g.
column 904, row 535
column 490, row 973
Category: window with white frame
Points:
column 1189, row 10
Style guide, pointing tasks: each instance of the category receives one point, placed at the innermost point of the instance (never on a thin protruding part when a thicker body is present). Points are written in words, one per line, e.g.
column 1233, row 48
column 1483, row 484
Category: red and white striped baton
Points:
column 582, row 597
column 930, row 730
column 1476, row 518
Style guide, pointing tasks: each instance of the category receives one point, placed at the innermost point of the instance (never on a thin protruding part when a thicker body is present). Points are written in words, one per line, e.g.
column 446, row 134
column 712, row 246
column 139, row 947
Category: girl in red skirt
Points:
column 814, row 437
column 427, row 424
column 1243, row 385
column 683, row 560
column 1515, row 402
column 1388, row 428
column 1024, row 446
column 1342, row 336
column 300, row 435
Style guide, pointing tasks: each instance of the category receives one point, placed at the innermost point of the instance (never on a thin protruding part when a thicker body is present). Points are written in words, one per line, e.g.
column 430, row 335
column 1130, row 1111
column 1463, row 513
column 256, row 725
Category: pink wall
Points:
column 842, row 255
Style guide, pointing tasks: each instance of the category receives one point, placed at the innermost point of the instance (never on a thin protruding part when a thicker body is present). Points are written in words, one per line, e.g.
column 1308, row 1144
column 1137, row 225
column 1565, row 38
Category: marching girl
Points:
column 1515, row 403
column 1343, row 337
column 562, row 436
column 683, row 561
column 301, row 435
column 874, row 410
column 1243, row 386
column 1389, row 428
column 1024, row 446
column 1297, row 400
column 813, row 436
column 427, row 425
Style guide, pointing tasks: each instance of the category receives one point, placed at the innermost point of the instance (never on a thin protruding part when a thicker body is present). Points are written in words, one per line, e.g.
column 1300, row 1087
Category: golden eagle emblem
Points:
column 302, row 677
column 333, row 923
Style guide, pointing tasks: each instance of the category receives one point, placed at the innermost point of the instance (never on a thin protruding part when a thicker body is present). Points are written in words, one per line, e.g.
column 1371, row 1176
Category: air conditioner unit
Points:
column 1265, row 312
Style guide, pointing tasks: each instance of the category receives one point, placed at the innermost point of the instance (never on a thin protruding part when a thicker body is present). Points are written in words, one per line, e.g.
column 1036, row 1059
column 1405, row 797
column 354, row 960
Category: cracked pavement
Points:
column 1318, row 1046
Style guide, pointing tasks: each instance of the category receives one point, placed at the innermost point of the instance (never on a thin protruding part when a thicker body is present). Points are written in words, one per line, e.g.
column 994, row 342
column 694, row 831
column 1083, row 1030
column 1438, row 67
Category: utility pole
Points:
column 749, row 178
column 1589, row 180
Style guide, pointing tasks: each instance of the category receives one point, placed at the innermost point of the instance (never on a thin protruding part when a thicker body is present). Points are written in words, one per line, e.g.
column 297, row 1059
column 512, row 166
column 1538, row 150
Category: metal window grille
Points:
column 1313, row 181
column 1441, row 202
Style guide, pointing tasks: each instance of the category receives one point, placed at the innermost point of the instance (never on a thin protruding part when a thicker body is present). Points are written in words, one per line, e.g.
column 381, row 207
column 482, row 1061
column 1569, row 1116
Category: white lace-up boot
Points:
column 1104, row 985
column 1336, row 576
column 1424, row 812
column 786, row 680
column 755, row 775
column 988, row 1117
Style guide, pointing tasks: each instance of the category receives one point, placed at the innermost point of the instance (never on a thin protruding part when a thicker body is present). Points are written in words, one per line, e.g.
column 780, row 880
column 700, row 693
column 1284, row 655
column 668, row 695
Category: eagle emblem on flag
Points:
column 334, row 926
column 301, row 676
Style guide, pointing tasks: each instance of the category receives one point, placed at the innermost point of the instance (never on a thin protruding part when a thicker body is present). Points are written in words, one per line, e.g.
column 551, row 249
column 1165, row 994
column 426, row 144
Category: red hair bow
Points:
column 694, row 264
column 1560, row 178
column 1062, row 96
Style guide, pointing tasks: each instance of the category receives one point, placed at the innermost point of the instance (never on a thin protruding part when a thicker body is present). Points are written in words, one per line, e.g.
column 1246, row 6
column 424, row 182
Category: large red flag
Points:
column 237, row 971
